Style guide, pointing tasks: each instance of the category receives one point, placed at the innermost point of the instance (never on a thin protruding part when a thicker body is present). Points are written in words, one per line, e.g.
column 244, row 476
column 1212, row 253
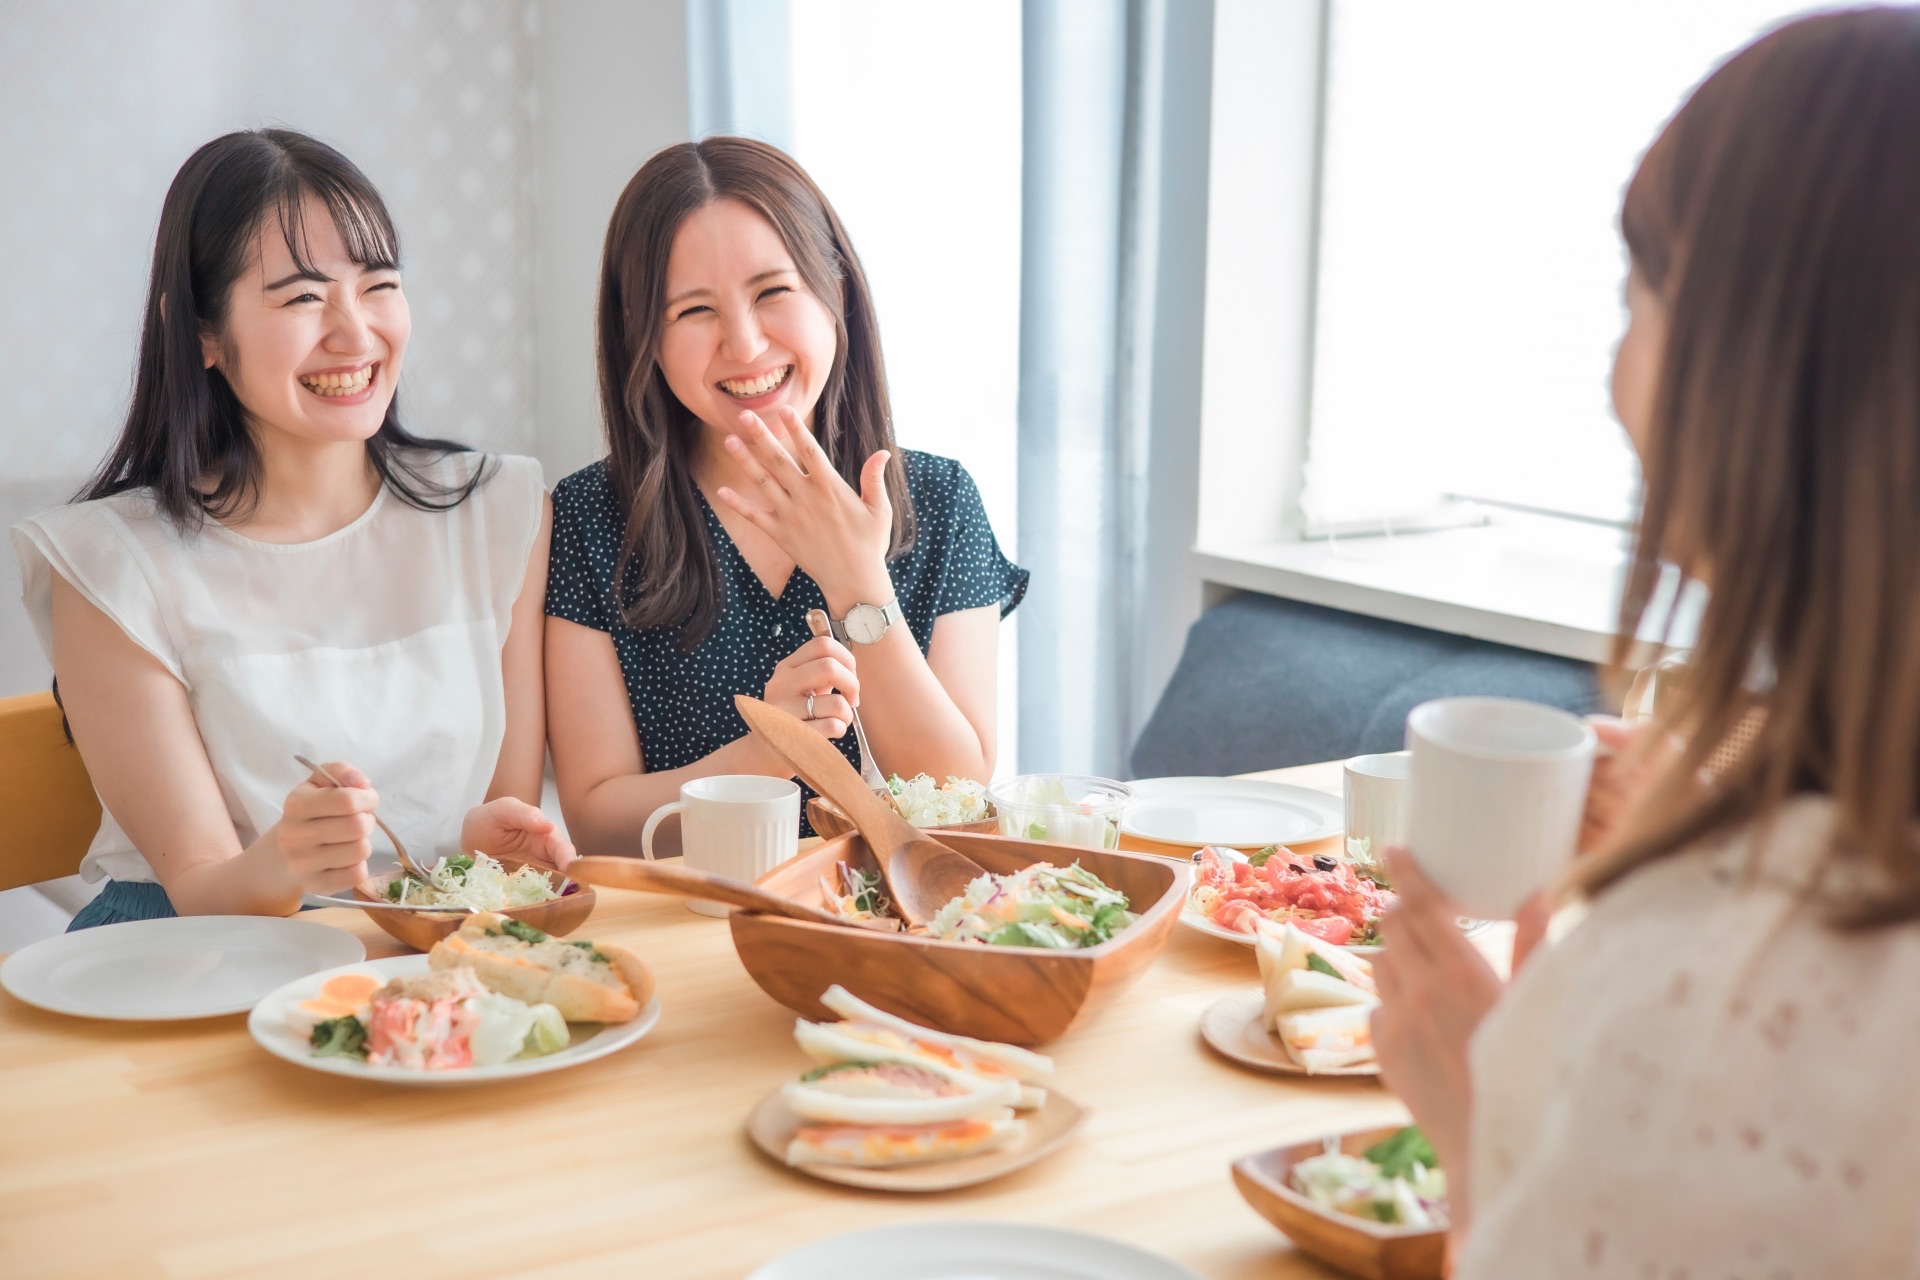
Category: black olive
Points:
column 1321, row 862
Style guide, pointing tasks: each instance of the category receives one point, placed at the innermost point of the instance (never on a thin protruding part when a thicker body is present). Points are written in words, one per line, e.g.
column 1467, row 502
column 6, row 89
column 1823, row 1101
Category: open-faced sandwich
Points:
column 889, row 1092
column 586, row 981
column 430, row 1022
column 1319, row 999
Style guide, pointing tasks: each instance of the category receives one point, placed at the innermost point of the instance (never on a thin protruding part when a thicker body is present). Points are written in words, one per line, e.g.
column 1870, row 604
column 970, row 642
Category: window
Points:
column 908, row 116
column 1469, row 263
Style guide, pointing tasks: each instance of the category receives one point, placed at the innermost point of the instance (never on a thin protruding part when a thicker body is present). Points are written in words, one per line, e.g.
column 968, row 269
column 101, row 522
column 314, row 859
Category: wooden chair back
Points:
column 51, row 810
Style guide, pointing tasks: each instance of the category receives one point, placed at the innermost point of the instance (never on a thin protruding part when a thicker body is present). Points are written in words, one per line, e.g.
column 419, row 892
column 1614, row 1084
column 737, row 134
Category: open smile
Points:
column 759, row 385
column 348, row 385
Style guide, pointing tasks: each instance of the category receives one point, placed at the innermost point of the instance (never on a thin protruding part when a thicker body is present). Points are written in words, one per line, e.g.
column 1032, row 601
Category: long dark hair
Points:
column 185, row 428
column 1778, row 217
column 666, row 574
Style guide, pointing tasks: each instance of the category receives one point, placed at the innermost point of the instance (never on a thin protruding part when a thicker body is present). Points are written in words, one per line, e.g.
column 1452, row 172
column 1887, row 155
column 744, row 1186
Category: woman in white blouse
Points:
column 268, row 564
column 1712, row 1074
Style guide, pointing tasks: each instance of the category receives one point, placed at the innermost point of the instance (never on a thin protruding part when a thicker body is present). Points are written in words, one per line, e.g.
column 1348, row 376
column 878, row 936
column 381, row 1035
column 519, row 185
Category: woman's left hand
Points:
column 512, row 828
column 799, row 500
column 1435, row 987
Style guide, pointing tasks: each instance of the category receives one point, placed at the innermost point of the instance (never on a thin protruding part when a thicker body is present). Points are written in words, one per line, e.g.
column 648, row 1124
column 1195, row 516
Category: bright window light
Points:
column 1469, row 293
column 908, row 116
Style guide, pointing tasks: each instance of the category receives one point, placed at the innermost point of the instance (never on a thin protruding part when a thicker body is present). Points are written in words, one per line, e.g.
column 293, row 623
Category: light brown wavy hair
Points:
column 666, row 575
column 1778, row 217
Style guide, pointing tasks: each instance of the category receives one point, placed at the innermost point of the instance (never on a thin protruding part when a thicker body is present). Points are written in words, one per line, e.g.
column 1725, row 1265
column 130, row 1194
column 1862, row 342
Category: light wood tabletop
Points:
column 183, row 1150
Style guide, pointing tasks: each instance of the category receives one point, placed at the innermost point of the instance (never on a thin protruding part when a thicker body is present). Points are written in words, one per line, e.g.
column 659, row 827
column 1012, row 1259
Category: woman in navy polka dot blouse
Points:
column 751, row 475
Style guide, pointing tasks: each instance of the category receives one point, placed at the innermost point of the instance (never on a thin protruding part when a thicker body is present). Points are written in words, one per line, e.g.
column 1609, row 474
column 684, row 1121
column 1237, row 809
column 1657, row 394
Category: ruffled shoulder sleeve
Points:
column 104, row 549
column 955, row 542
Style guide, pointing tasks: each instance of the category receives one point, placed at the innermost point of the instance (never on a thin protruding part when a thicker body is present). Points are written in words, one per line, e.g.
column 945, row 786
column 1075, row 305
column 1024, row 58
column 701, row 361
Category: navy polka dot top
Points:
column 682, row 701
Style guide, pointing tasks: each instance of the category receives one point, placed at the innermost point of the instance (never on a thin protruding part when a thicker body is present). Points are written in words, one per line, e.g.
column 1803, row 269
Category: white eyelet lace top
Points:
column 378, row 644
column 1701, row 1081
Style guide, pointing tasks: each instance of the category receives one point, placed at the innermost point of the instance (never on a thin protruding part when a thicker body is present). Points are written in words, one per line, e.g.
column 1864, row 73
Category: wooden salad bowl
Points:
column 1017, row 995
column 830, row 820
column 421, row 929
column 1371, row 1250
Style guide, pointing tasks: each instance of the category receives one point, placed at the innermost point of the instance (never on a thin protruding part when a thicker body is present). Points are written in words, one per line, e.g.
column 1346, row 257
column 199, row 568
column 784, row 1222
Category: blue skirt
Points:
column 124, row 900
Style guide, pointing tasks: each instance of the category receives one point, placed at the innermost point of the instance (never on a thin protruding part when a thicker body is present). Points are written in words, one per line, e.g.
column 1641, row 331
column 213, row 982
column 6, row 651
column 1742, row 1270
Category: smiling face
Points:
column 312, row 355
column 742, row 331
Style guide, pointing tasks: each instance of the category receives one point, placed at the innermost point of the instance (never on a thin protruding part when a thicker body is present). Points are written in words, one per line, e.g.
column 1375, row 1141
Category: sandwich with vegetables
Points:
column 1319, row 998
column 889, row 1092
column 585, row 981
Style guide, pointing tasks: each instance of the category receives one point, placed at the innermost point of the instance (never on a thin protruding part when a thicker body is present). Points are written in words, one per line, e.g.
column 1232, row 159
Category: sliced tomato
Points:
column 1334, row 929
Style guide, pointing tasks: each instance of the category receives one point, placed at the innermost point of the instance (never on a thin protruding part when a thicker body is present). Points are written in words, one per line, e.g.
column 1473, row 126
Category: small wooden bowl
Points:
column 421, row 929
column 1371, row 1250
column 830, row 820
column 1018, row 995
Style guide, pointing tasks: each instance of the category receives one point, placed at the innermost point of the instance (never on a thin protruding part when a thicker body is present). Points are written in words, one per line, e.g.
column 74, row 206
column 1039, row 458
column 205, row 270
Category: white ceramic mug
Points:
column 1497, row 791
column 1376, row 802
column 741, row 825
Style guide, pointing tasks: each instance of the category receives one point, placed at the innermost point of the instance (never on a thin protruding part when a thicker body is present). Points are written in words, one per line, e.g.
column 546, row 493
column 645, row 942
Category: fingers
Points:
column 802, row 444
column 345, row 775
column 760, row 517
column 1423, row 920
column 831, row 706
column 757, row 445
column 1530, row 929
column 873, row 483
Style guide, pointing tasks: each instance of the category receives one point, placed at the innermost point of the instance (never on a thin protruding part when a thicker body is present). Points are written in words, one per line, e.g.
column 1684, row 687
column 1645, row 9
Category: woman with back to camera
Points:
column 1712, row 1074
column 269, row 564
column 752, row 476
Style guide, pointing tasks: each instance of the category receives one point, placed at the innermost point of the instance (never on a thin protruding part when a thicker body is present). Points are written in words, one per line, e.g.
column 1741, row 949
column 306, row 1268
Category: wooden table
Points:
column 184, row 1150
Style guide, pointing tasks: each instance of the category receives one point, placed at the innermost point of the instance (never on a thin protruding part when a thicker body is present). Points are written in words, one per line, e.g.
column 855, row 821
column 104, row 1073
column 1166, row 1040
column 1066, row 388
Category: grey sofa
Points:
column 1264, row 683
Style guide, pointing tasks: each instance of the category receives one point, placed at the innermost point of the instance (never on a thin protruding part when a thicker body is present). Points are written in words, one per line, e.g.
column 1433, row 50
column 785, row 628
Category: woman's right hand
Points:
column 824, row 668
column 324, row 833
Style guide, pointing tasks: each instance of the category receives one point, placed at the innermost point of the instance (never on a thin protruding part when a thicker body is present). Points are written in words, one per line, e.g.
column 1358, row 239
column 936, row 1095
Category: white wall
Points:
column 612, row 90
column 499, row 132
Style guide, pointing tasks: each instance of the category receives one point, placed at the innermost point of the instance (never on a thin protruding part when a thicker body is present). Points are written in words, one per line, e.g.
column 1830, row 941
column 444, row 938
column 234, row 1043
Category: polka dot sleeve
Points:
column 580, row 572
column 961, row 551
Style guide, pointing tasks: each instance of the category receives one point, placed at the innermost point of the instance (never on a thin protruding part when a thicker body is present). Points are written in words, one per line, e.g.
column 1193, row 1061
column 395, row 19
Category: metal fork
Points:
column 869, row 771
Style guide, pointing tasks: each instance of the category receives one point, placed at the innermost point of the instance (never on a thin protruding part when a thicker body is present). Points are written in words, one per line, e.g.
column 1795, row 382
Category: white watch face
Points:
column 866, row 624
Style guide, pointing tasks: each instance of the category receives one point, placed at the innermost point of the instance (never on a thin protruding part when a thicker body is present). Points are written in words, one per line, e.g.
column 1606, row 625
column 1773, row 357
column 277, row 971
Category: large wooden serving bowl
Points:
column 421, row 929
column 1018, row 995
column 1371, row 1250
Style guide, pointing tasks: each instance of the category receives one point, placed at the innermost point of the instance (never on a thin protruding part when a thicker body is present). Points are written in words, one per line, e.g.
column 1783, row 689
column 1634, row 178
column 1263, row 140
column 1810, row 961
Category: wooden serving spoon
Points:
column 687, row 882
column 922, row 874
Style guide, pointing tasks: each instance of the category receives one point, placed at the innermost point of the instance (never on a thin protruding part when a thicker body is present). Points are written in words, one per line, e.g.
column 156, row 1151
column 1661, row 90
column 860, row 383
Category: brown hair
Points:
column 666, row 574
column 1778, row 216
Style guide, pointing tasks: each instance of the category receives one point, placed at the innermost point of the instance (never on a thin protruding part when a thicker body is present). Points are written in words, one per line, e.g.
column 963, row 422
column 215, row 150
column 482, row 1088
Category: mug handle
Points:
column 654, row 819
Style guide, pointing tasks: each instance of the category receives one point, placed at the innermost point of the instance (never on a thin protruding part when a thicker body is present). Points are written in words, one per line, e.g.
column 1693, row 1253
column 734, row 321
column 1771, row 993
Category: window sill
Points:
column 1536, row 583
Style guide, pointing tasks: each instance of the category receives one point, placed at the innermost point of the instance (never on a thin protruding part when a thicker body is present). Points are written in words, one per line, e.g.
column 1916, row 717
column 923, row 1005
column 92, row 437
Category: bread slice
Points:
column 881, row 1146
column 585, row 981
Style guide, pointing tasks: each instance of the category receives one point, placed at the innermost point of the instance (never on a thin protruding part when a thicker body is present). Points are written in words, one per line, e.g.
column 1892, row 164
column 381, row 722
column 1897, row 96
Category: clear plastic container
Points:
column 1061, row 808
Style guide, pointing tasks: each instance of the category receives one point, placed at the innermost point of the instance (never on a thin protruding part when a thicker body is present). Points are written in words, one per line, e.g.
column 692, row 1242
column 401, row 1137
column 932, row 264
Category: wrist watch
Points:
column 866, row 623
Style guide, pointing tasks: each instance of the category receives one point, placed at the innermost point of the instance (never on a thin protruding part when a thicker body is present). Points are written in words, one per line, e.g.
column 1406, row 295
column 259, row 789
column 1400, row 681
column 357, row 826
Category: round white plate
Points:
column 175, row 968
column 1241, row 813
column 1200, row 924
column 969, row 1251
column 268, row 1023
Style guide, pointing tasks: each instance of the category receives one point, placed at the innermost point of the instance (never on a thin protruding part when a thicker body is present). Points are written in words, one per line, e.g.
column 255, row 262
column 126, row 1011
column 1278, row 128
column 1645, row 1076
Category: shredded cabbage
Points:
column 1389, row 1184
column 1037, row 906
column 925, row 804
column 474, row 880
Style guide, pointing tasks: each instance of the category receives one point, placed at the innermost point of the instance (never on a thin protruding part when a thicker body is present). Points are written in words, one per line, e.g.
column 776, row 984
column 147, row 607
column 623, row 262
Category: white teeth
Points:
column 758, row 386
column 339, row 384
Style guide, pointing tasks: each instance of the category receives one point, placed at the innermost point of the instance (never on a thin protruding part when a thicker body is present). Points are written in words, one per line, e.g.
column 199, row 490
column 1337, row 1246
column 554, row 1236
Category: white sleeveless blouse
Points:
column 378, row 644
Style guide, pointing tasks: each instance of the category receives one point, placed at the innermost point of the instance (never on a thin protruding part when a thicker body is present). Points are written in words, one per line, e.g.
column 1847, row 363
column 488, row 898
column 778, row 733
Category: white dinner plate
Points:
column 969, row 1251
column 268, row 1023
column 1240, row 813
column 173, row 968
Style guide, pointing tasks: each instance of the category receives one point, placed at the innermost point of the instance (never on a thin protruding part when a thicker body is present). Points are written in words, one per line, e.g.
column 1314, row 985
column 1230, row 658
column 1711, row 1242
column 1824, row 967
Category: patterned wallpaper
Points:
column 101, row 100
